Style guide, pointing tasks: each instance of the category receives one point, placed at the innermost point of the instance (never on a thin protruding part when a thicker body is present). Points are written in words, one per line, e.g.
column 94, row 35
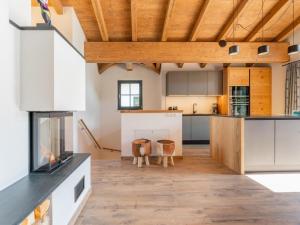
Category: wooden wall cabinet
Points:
column 260, row 91
column 259, row 80
column 238, row 76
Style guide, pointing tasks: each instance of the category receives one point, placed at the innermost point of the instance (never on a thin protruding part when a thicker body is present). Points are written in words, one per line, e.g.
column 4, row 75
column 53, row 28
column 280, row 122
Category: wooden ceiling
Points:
column 212, row 17
column 184, row 20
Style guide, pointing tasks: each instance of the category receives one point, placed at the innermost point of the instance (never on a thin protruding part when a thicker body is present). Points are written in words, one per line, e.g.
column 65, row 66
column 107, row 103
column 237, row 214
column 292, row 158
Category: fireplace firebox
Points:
column 51, row 140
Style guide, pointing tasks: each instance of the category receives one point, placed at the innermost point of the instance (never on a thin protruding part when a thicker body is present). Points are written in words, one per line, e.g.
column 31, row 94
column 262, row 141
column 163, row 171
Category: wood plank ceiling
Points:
column 184, row 20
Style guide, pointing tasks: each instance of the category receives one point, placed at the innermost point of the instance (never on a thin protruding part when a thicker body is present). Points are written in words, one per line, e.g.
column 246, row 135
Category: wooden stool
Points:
column 166, row 150
column 141, row 148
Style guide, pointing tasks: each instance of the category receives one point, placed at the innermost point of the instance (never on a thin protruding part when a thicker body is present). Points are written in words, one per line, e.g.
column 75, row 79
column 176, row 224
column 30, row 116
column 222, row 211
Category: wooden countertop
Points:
column 151, row 111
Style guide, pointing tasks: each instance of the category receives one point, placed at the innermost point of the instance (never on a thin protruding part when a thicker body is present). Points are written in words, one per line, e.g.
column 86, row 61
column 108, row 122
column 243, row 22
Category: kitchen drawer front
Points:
column 187, row 128
column 238, row 77
column 259, row 143
column 200, row 128
column 287, row 142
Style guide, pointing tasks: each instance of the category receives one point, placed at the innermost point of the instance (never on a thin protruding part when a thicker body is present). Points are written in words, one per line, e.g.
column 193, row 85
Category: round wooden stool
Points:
column 165, row 150
column 141, row 148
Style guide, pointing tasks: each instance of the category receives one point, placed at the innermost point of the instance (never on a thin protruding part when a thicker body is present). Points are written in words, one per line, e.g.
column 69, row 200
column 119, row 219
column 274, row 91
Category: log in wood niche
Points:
column 184, row 52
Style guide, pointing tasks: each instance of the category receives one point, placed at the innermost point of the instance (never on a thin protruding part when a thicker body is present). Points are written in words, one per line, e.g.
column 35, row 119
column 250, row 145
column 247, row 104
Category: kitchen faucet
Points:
column 194, row 108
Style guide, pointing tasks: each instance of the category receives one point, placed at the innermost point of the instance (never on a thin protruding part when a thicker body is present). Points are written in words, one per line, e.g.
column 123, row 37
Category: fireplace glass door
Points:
column 51, row 140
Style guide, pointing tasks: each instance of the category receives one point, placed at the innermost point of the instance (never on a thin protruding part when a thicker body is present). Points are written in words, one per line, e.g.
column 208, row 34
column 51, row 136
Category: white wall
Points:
column 102, row 115
column 14, row 146
column 67, row 23
column 20, row 11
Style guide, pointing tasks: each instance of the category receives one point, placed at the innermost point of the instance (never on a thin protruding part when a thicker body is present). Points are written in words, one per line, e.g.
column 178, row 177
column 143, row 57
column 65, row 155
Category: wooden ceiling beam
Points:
column 196, row 27
column 102, row 29
column 179, row 65
column 56, row 4
column 129, row 66
column 202, row 65
column 184, row 52
column 225, row 65
column 286, row 32
column 152, row 67
column 164, row 35
column 235, row 14
column 168, row 17
column 266, row 19
column 133, row 10
column 103, row 67
column 100, row 19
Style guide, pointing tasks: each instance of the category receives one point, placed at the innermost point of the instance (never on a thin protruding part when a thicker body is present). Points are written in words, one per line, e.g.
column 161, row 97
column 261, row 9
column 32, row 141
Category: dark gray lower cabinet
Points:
column 200, row 128
column 196, row 128
column 187, row 128
column 287, row 142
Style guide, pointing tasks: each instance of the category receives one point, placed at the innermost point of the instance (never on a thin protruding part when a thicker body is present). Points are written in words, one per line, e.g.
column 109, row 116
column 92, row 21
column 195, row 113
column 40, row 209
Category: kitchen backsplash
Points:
column 204, row 103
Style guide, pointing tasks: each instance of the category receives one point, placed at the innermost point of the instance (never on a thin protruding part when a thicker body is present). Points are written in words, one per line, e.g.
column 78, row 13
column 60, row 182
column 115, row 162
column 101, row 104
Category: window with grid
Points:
column 130, row 94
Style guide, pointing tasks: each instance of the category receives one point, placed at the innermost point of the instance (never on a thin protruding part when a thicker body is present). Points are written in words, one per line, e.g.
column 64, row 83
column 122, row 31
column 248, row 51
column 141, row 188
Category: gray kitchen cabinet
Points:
column 259, row 143
column 200, row 128
column 194, row 83
column 177, row 83
column 287, row 142
column 187, row 128
column 214, row 82
column 197, row 83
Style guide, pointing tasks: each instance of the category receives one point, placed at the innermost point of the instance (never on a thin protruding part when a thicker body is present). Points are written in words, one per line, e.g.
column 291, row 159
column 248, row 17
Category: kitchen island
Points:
column 258, row 143
column 153, row 125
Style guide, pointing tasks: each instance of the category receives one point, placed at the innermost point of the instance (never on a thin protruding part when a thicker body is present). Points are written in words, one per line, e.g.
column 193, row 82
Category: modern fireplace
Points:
column 50, row 139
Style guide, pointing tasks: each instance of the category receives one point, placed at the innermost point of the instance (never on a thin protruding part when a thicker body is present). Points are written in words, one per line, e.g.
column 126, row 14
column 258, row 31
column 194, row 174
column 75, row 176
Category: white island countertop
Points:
column 153, row 125
column 152, row 111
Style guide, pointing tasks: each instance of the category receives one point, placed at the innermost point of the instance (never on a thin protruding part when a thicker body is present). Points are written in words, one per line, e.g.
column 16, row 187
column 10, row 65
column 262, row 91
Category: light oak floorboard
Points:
column 197, row 191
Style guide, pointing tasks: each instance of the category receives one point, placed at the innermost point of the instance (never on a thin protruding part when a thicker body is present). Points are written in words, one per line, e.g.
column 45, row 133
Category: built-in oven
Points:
column 239, row 101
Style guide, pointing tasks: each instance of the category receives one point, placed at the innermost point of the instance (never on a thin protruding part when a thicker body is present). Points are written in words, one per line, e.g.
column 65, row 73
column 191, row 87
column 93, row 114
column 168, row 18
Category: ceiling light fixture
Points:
column 234, row 49
column 263, row 49
column 293, row 49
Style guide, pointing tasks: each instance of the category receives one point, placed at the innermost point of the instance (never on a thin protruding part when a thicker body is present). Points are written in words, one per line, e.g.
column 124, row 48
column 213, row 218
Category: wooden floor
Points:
column 196, row 192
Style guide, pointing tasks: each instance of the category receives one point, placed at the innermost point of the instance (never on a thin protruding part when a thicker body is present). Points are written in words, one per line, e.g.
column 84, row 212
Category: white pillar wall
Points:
column 14, row 132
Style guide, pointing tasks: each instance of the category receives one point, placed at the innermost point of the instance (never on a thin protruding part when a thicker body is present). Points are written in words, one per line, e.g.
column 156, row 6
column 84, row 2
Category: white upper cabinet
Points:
column 52, row 73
